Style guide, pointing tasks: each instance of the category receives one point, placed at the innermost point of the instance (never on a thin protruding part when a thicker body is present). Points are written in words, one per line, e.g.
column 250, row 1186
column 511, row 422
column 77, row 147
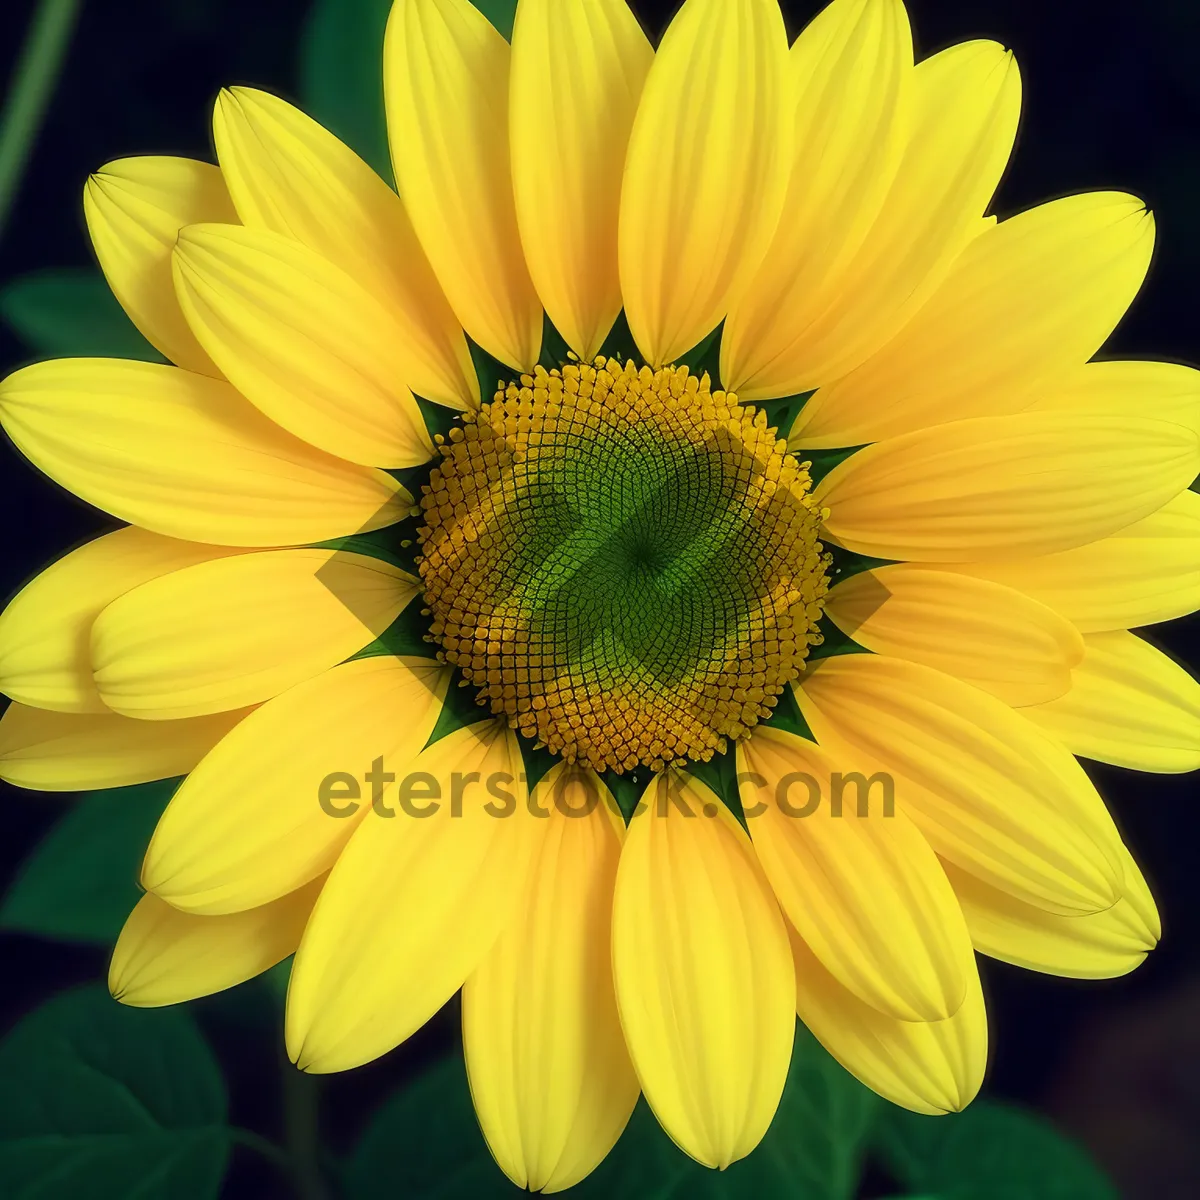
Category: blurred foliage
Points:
column 70, row 313
column 102, row 1101
column 80, row 883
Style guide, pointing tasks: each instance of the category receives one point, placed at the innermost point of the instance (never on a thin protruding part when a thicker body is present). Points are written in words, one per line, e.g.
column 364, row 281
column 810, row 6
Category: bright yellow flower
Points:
column 640, row 572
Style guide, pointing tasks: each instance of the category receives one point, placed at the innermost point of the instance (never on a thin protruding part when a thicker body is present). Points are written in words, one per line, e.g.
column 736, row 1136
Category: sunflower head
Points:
column 623, row 561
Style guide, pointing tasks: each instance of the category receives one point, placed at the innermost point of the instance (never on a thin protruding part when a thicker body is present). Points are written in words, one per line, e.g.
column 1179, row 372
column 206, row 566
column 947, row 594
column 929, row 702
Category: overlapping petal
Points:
column 1005, row 487
column 45, row 632
column 135, row 208
column 446, row 81
column 1167, row 391
column 1030, row 299
column 186, row 456
column 987, row 634
column 1130, row 705
column 288, row 175
column 272, row 805
column 1142, row 574
column 964, row 106
column 439, row 888
column 550, row 1076
column 855, row 878
column 165, row 956
column 701, row 198
column 303, row 341
column 73, row 752
column 929, row 1067
column 986, row 787
column 851, row 71
column 1099, row 945
column 703, row 971
column 235, row 631
column 578, row 67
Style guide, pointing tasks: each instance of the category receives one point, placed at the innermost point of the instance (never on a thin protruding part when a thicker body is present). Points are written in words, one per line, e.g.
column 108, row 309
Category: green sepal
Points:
column 501, row 13
column 720, row 774
column 490, row 372
column 704, row 356
column 835, row 642
column 406, row 637
column 782, row 412
column 788, row 717
column 849, row 562
column 627, row 789
column 619, row 343
column 555, row 350
column 821, row 462
column 459, row 709
column 439, row 420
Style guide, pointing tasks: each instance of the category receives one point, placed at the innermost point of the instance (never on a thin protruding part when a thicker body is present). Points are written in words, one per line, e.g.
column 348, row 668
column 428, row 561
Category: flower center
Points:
column 623, row 563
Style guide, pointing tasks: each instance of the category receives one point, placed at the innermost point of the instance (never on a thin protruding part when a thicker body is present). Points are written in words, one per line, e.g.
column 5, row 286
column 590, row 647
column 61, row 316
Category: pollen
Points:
column 623, row 562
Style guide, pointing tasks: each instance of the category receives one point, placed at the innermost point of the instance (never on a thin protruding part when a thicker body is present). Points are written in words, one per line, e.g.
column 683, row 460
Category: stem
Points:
column 29, row 93
column 301, row 1132
column 261, row 1145
column 298, row 1157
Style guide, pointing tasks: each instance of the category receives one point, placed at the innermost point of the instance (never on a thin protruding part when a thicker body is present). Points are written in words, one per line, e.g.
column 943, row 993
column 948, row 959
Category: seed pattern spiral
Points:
column 623, row 562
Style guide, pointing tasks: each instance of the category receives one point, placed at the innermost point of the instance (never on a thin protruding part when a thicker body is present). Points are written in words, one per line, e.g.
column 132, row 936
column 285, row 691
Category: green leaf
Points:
column 989, row 1152
column 64, row 312
column 102, row 1101
column 500, row 12
column 425, row 1142
column 80, row 882
column 341, row 74
column 817, row 1142
column 813, row 1149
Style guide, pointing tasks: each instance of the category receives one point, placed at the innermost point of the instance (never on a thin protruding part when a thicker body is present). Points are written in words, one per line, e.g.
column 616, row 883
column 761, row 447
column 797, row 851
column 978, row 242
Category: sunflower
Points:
column 685, row 411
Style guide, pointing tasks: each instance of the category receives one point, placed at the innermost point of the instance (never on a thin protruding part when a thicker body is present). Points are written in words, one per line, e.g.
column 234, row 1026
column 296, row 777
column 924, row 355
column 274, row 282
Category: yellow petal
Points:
column 288, row 175
column 1005, row 487
column 982, row 632
column 165, row 956
column 550, row 1076
column 706, row 173
column 1130, row 705
column 851, row 71
column 1167, row 391
column 186, row 456
column 578, row 67
column 1029, row 299
column 857, row 880
column 964, row 105
column 271, row 807
column 233, row 632
column 986, row 787
column 445, row 81
column 1099, row 945
column 703, row 971
column 435, row 892
column 135, row 208
column 1145, row 573
column 929, row 1067
column 302, row 341
column 45, row 632
column 72, row 752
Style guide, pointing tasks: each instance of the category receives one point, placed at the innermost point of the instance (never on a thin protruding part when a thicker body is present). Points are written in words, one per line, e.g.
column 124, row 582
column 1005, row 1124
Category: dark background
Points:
column 1112, row 100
